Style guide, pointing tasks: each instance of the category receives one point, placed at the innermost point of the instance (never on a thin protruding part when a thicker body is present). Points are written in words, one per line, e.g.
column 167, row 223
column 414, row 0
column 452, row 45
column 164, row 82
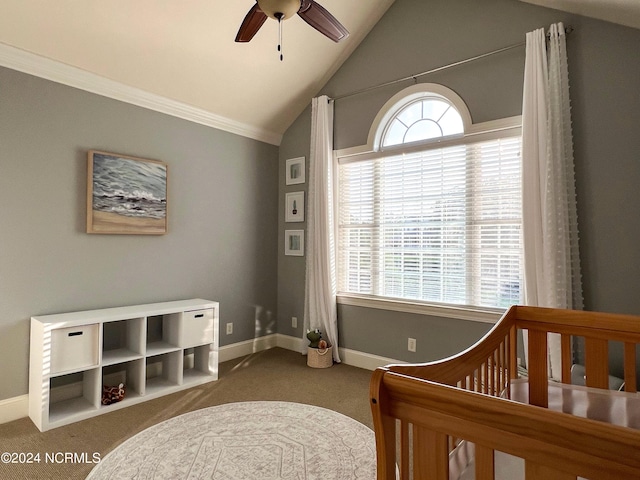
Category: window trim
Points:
column 444, row 310
column 476, row 132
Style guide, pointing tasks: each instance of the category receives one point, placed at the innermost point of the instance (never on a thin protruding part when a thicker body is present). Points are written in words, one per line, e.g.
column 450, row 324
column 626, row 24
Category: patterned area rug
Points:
column 243, row 441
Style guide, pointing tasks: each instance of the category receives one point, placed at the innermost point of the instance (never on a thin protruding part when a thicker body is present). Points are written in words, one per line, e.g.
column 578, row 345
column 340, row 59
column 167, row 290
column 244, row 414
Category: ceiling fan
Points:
column 310, row 11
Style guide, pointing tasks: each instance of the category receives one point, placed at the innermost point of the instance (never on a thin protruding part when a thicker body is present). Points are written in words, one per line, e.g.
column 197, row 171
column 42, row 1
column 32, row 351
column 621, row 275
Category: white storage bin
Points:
column 74, row 348
column 190, row 329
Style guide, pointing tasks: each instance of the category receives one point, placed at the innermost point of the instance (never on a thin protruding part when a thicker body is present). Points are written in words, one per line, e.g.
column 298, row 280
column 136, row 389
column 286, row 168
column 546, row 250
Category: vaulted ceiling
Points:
column 180, row 56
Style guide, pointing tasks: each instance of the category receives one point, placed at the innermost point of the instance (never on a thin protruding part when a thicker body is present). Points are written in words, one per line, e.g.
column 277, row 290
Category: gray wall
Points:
column 223, row 200
column 291, row 269
column 416, row 36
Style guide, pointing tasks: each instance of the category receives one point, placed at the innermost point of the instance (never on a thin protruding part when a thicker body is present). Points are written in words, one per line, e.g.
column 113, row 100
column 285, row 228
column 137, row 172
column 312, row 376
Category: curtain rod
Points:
column 414, row 77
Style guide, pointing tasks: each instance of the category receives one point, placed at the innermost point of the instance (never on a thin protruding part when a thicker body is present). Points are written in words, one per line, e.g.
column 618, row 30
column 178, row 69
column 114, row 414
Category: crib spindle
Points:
column 494, row 373
column 511, row 357
column 596, row 362
column 630, row 376
column 538, row 373
column 404, row 450
column 485, row 465
column 513, row 353
column 485, row 377
column 434, row 464
column 501, row 374
column 500, row 369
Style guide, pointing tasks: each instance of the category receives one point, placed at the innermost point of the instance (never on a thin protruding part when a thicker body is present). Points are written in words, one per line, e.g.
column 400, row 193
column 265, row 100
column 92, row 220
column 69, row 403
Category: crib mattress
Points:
column 610, row 406
column 618, row 408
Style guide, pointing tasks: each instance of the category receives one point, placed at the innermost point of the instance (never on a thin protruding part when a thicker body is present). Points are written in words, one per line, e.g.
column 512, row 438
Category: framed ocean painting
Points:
column 126, row 195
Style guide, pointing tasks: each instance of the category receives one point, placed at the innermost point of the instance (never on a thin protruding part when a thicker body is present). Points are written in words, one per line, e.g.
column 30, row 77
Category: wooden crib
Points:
column 477, row 407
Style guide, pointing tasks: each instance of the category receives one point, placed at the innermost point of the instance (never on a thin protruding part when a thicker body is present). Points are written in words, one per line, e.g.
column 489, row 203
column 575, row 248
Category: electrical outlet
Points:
column 411, row 345
column 229, row 328
column 294, row 322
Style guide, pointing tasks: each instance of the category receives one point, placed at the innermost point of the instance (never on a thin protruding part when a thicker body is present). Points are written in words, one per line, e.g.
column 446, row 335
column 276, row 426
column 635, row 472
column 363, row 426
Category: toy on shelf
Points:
column 112, row 394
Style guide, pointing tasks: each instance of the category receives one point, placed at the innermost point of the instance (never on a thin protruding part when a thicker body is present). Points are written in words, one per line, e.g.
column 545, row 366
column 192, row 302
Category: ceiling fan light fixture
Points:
column 286, row 8
column 309, row 10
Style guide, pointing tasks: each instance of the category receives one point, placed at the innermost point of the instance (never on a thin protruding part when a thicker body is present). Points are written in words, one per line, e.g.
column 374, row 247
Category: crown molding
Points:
column 32, row 64
column 622, row 12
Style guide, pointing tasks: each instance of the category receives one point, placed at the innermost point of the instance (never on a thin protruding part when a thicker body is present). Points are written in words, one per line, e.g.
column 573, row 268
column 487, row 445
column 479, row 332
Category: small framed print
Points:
column 294, row 243
column 294, row 205
column 295, row 171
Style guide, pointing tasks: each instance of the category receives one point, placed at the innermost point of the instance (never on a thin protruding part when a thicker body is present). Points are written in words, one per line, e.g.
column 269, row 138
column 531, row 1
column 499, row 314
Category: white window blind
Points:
column 440, row 225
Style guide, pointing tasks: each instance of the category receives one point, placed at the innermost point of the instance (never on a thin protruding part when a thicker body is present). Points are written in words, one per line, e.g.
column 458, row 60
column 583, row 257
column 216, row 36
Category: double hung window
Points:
column 433, row 213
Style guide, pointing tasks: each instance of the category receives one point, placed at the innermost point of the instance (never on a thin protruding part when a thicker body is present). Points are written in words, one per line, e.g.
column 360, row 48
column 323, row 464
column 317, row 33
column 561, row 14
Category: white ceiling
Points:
column 180, row 57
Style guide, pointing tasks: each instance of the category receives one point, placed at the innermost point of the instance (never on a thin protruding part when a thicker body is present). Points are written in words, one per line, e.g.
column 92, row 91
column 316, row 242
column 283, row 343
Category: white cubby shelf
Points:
column 154, row 350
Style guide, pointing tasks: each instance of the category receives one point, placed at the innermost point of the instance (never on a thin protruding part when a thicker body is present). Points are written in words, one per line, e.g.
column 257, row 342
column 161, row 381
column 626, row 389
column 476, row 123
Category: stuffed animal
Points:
column 112, row 394
column 314, row 337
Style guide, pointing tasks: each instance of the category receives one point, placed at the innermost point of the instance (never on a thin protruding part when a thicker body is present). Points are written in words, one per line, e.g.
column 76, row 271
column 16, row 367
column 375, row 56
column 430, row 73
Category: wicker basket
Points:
column 320, row 357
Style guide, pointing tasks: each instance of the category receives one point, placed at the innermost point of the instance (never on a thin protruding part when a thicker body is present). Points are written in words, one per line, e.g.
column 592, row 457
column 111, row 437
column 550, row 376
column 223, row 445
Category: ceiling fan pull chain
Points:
column 280, row 35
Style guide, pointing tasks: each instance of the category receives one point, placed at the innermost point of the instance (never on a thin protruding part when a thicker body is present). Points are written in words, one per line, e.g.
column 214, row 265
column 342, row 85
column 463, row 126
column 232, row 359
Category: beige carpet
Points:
column 272, row 375
column 247, row 441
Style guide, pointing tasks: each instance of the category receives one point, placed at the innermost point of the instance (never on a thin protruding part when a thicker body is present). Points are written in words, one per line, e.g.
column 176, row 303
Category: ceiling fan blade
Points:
column 319, row 18
column 251, row 24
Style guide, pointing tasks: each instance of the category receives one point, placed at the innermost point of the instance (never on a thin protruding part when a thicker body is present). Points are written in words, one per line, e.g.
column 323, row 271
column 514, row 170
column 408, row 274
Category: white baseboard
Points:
column 18, row 407
column 14, row 408
column 290, row 343
column 242, row 349
column 368, row 361
column 354, row 358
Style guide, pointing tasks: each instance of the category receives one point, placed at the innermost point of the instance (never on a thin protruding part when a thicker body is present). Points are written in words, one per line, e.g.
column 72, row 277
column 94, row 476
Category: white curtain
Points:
column 320, row 309
column 550, row 225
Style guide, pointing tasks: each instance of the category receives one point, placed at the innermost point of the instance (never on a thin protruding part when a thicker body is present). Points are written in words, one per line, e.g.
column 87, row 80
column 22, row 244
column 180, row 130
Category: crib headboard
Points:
column 422, row 412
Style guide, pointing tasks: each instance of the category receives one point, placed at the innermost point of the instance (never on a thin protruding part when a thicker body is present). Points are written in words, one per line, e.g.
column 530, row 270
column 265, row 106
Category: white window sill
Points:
column 473, row 314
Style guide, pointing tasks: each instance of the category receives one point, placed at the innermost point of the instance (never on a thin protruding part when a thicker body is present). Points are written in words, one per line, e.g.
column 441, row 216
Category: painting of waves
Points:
column 126, row 195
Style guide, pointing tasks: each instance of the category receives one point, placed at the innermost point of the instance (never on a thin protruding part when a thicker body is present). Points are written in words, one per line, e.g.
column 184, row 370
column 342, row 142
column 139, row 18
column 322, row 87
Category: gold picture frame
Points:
column 126, row 195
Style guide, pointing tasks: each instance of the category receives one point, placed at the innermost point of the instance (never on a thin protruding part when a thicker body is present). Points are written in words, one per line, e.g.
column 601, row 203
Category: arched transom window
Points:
column 423, row 119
